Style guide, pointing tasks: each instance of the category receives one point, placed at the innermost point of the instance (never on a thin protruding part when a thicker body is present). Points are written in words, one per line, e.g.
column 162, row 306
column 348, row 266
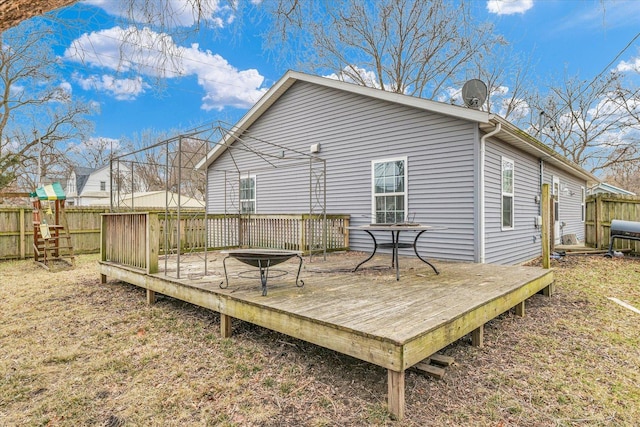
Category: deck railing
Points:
column 292, row 232
column 303, row 233
column 131, row 239
column 136, row 239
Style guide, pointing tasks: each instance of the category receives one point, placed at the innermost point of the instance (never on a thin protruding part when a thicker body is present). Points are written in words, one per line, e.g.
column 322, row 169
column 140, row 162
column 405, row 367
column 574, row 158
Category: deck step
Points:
column 442, row 360
column 430, row 370
column 428, row 366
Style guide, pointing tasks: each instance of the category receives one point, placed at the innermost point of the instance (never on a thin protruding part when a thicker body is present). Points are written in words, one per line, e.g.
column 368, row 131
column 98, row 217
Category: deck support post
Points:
column 225, row 326
column 477, row 336
column 151, row 297
column 520, row 309
column 395, row 399
column 103, row 279
column 547, row 291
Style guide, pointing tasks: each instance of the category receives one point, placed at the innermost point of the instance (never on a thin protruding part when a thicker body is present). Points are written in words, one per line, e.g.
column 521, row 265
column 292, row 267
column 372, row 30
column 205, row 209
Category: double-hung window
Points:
column 389, row 179
column 248, row 195
column 507, row 193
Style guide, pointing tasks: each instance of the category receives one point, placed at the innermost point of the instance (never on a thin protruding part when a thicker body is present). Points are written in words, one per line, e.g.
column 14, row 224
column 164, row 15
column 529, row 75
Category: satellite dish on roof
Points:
column 474, row 93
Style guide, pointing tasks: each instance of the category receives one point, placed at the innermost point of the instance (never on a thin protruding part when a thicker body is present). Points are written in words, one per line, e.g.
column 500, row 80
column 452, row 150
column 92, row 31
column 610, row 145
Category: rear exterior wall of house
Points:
column 441, row 160
column 353, row 131
column 521, row 241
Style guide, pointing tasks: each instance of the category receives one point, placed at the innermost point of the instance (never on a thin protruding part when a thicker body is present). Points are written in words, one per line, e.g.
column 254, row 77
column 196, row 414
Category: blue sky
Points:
column 221, row 74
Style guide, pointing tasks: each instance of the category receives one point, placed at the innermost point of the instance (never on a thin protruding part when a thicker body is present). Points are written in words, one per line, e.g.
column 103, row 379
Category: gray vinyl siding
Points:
column 570, row 204
column 353, row 131
column 522, row 243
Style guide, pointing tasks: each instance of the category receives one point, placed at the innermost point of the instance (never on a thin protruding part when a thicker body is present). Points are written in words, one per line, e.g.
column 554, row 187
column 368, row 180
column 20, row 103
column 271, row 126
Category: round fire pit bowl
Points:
column 262, row 259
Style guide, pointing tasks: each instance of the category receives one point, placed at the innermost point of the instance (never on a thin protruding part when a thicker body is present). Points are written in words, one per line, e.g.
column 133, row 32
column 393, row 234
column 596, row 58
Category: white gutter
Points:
column 481, row 235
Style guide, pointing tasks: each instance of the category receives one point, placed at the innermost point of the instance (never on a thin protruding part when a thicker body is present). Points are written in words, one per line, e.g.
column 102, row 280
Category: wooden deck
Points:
column 368, row 314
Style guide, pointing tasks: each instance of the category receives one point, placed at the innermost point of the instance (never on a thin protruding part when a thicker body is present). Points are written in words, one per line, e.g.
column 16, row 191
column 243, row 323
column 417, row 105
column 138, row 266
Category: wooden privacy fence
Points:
column 273, row 231
column 132, row 239
column 601, row 209
column 16, row 230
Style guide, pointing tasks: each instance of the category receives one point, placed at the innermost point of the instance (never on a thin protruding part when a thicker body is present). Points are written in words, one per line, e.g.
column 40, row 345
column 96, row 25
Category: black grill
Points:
column 629, row 230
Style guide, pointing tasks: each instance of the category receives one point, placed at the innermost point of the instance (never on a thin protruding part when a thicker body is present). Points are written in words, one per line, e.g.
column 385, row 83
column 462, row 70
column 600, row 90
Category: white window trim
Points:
column 512, row 194
column 255, row 193
column 555, row 180
column 405, row 159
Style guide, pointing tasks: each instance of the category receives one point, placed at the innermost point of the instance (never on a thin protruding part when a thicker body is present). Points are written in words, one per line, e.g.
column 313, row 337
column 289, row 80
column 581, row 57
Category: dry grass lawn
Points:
column 74, row 352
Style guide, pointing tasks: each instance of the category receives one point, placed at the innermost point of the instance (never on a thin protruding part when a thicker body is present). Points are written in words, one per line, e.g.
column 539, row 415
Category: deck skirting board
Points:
column 434, row 340
column 365, row 347
column 392, row 324
column 396, row 355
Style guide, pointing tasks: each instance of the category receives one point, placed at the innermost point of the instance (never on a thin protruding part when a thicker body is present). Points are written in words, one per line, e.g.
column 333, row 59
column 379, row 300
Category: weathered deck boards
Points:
column 368, row 314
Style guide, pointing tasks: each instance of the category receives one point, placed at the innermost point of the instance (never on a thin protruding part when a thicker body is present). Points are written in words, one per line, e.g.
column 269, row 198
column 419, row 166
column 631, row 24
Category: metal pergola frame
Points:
column 205, row 138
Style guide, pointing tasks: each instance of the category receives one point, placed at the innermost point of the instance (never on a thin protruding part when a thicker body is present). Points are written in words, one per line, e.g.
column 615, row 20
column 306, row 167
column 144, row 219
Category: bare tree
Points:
column 13, row 12
column 167, row 163
column 95, row 152
column 587, row 123
column 148, row 164
column 626, row 173
column 35, row 124
column 189, row 151
column 416, row 47
column 625, row 176
column 509, row 82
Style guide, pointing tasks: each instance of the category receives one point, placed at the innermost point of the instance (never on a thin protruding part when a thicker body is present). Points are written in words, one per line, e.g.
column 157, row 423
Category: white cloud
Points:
column 66, row 87
column 125, row 50
column 451, row 95
column 369, row 77
column 62, row 93
column 509, row 7
column 148, row 53
column 121, row 89
column 16, row 89
column 633, row 65
column 501, row 102
column 171, row 13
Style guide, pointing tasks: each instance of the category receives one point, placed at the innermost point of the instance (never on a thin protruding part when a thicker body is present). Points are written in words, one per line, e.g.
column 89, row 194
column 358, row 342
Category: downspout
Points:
column 541, row 184
column 481, row 231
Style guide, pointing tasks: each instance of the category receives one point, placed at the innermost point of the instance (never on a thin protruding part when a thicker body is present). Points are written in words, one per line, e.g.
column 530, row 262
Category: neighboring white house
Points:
column 390, row 158
column 603, row 187
column 86, row 184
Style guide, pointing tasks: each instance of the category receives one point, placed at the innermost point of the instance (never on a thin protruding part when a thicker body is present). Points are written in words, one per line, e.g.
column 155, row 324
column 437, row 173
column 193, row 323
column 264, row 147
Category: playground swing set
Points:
column 52, row 246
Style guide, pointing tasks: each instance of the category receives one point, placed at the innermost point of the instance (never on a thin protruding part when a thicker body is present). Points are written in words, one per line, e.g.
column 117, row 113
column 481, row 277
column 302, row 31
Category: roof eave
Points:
column 263, row 104
column 519, row 138
column 290, row 77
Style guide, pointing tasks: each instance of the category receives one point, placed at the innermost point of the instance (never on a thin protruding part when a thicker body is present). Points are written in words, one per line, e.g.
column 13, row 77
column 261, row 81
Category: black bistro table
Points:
column 395, row 245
